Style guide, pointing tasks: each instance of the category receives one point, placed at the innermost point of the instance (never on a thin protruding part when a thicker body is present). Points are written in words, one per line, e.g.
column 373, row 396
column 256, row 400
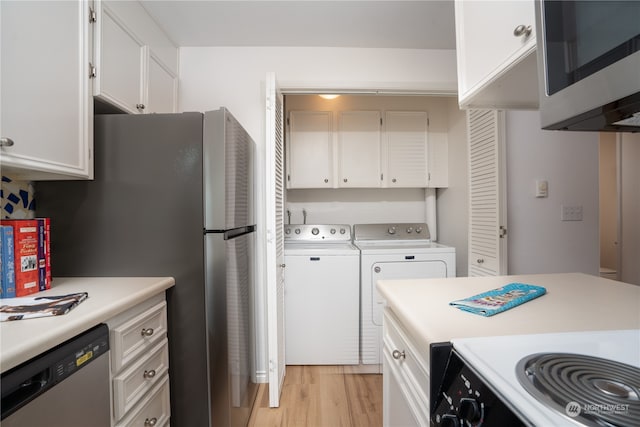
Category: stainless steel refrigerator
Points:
column 173, row 196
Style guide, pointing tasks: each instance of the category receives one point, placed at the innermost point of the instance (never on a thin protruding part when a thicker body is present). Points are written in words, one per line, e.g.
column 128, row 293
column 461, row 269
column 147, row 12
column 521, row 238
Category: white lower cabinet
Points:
column 140, row 365
column 405, row 374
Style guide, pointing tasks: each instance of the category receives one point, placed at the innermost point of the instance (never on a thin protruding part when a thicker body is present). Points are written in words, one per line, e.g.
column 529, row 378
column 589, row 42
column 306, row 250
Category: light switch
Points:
column 542, row 188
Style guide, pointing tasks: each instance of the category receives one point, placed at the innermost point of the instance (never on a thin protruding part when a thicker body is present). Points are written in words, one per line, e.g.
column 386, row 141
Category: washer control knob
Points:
column 297, row 231
column 391, row 230
column 315, row 231
column 332, row 231
column 409, row 230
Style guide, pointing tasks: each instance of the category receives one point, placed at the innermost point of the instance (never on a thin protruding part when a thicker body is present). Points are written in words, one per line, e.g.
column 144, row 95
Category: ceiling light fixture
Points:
column 329, row 96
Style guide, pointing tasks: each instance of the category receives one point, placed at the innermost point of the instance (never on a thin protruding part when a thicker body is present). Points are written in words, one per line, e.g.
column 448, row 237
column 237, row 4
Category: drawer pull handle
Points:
column 480, row 261
column 149, row 422
column 146, row 332
column 397, row 354
column 149, row 374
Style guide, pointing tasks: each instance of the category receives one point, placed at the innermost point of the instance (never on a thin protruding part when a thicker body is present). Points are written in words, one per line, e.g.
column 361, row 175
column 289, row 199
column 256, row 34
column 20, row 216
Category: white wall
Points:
column 211, row 77
column 538, row 241
column 233, row 77
column 357, row 206
column 453, row 203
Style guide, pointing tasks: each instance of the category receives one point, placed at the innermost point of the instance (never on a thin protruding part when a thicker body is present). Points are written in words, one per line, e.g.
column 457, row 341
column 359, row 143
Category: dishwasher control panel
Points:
column 82, row 355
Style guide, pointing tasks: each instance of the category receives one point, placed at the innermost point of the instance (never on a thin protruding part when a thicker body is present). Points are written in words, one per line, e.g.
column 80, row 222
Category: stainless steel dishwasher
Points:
column 66, row 386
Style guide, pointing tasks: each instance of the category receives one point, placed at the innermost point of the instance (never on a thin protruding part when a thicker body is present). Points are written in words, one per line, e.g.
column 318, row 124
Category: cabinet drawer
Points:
column 407, row 361
column 138, row 335
column 153, row 410
column 134, row 382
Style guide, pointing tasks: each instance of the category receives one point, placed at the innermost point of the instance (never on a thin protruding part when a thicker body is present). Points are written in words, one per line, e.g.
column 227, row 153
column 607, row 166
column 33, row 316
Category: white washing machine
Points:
column 393, row 251
column 321, row 295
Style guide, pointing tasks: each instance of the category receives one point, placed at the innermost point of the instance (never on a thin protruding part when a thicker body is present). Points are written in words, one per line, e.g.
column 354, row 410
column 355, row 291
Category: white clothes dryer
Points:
column 393, row 251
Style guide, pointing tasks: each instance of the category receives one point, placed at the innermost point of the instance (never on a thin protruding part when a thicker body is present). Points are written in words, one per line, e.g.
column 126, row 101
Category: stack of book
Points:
column 25, row 247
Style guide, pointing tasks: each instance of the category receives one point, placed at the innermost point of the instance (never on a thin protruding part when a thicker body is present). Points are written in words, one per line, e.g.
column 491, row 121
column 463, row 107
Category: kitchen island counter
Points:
column 573, row 302
column 21, row 340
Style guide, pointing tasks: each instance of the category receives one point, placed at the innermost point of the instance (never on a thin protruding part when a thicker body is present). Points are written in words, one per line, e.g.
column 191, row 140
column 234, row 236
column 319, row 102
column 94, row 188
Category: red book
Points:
column 47, row 249
column 42, row 256
column 25, row 238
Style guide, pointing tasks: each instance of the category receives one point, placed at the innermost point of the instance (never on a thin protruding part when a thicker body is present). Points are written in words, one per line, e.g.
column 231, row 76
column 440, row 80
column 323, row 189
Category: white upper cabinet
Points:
column 310, row 150
column 162, row 90
column 120, row 63
column 136, row 63
column 359, row 149
column 496, row 54
column 46, row 104
column 364, row 149
column 406, row 134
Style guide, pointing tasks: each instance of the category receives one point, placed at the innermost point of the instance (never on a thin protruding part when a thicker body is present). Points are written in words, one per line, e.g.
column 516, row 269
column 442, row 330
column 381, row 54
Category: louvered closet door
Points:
column 487, row 207
column 274, row 171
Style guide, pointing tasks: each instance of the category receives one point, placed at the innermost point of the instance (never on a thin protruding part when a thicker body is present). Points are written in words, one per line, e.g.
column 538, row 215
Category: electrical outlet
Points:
column 571, row 213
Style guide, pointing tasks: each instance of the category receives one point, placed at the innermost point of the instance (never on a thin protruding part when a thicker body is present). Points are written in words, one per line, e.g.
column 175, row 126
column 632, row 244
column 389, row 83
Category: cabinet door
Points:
column 310, row 150
column 46, row 105
column 120, row 63
column 359, row 149
column 162, row 88
column 496, row 68
column 396, row 410
column 406, row 148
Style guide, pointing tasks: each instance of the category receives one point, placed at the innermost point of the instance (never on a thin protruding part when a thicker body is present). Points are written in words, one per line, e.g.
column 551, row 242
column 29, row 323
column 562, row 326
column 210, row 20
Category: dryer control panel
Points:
column 392, row 231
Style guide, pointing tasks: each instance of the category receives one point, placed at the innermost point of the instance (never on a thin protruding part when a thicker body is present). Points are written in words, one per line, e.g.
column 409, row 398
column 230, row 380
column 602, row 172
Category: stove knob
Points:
column 342, row 231
column 392, row 230
column 332, row 231
column 449, row 420
column 287, row 231
column 409, row 230
column 297, row 231
column 469, row 410
column 418, row 230
column 315, row 231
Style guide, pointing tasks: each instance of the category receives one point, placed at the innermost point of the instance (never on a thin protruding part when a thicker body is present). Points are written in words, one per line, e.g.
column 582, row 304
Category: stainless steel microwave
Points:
column 589, row 64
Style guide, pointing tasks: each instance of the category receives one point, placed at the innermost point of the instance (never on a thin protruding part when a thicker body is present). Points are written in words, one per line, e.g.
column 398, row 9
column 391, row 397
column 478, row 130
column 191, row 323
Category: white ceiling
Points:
column 417, row 24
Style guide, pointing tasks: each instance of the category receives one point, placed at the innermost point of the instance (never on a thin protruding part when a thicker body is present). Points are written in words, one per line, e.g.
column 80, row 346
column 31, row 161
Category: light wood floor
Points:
column 321, row 396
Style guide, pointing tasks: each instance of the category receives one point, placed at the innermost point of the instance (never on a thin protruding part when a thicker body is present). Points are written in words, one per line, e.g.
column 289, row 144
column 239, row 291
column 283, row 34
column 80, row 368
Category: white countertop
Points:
column 21, row 340
column 573, row 302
